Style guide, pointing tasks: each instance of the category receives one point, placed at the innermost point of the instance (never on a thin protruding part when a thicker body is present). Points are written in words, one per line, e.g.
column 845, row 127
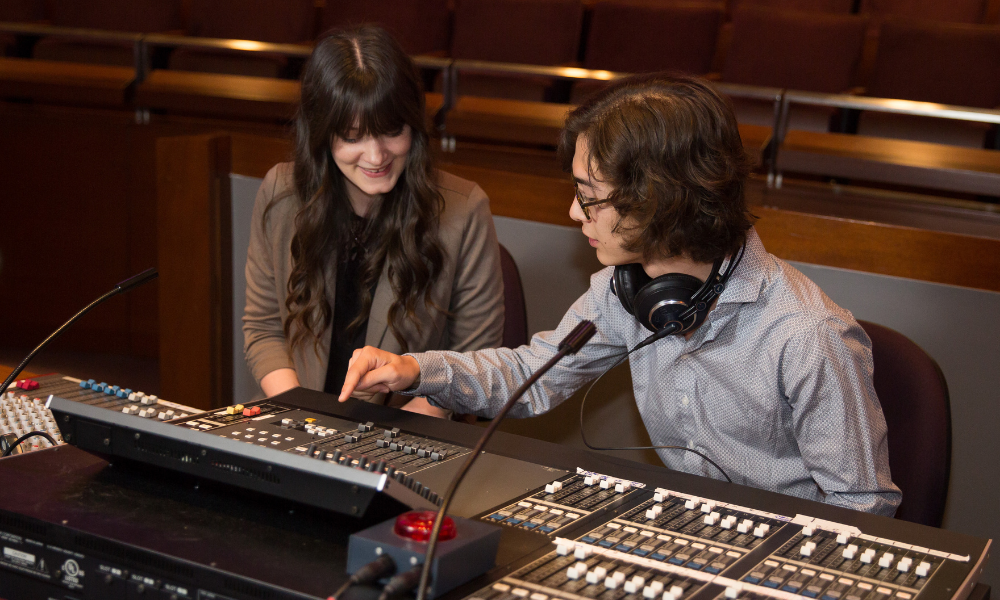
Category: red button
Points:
column 417, row 526
column 27, row 384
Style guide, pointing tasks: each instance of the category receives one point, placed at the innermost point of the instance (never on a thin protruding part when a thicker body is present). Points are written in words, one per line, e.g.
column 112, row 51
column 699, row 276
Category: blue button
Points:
column 530, row 525
column 122, row 394
column 695, row 564
column 657, row 556
column 91, row 381
column 771, row 584
column 604, row 543
column 791, row 587
column 810, row 593
column 675, row 561
column 624, row 547
column 640, row 552
column 712, row 570
column 514, row 521
column 546, row 529
column 496, row 517
column 829, row 597
column 84, row 385
column 752, row 579
column 588, row 539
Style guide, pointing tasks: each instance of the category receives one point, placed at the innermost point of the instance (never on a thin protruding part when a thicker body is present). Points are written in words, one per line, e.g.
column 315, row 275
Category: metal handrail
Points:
column 886, row 105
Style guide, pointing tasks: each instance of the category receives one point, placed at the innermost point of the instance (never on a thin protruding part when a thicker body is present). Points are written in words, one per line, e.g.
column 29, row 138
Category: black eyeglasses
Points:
column 585, row 203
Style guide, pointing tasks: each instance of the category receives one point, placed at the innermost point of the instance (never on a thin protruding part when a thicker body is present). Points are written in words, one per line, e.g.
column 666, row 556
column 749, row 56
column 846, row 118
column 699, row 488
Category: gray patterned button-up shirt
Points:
column 775, row 386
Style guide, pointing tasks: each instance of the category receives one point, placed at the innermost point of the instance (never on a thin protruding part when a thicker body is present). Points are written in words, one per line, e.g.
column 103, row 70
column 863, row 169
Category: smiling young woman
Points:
column 360, row 241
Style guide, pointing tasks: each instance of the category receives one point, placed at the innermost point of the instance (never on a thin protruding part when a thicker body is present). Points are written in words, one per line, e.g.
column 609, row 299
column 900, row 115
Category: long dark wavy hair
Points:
column 670, row 148
column 361, row 82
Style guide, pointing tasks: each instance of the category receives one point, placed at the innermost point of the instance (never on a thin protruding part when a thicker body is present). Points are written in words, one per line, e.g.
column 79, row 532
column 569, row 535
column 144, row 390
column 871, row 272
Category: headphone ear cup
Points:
column 663, row 299
column 626, row 281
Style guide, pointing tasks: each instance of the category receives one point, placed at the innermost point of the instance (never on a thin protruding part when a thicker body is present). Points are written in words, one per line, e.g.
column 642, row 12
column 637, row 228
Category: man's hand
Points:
column 376, row 371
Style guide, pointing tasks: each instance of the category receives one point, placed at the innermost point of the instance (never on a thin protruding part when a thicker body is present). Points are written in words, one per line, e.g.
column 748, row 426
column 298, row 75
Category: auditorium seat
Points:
column 950, row 11
column 540, row 32
column 795, row 50
column 827, row 6
column 421, row 26
column 125, row 16
column 914, row 397
column 273, row 21
column 21, row 11
column 635, row 36
column 934, row 62
column 17, row 11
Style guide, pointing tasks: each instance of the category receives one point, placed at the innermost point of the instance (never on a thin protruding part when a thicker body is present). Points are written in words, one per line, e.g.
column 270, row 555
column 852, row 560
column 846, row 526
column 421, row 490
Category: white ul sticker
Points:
column 71, row 568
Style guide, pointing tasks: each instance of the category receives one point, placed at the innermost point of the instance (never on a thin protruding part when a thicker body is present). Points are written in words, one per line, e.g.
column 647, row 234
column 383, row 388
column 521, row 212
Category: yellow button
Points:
column 310, row 420
column 238, row 408
column 230, row 410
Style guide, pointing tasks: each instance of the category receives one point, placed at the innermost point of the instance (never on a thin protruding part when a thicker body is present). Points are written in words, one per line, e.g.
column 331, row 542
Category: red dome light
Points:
column 417, row 526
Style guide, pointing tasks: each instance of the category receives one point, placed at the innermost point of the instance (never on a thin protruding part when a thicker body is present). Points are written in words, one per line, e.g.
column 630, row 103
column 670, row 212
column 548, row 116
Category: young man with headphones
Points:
column 738, row 357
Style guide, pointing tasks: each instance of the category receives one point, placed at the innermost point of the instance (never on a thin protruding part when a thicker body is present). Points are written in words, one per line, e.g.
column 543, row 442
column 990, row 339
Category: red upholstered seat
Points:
column 829, row 6
column 914, row 397
column 21, row 11
column 954, row 11
column 140, row 16
column 274, row 21
column 813, row 52
column 937, row 62
column 796, row 50
column 420, row 26
column 132, row 16
column 934, row 62
column 636, row 36
column 540, row 32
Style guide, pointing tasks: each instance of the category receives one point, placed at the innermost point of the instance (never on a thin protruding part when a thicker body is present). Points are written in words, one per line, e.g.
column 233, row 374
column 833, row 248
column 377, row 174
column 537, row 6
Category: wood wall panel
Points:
column 72, row 230
column 195, row 279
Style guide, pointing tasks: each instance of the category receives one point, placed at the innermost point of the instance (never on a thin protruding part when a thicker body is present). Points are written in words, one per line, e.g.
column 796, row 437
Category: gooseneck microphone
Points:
column 571, row 344
column 124, row 286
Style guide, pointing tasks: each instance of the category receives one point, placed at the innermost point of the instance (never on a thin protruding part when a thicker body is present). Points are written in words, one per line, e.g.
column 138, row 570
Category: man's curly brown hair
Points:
column 670, row 149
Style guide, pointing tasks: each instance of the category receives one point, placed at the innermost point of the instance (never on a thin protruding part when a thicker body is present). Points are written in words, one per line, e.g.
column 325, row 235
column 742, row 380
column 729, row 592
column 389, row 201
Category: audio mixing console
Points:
column 22, row 407
column 575, row 525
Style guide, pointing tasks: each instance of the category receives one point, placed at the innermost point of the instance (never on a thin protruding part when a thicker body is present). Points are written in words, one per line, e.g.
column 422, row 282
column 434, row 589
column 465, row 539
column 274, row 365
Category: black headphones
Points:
column 675, row 299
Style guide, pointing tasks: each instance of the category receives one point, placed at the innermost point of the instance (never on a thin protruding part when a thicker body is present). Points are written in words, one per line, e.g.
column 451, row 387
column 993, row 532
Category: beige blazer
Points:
column 470, row 285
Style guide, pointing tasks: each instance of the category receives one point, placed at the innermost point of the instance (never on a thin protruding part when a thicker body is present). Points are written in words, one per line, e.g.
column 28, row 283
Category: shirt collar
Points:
column 745, row 286
column 751, row 275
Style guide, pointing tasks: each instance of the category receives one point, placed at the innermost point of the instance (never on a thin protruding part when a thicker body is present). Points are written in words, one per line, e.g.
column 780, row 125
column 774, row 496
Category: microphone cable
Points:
column 370, row 573
column 26, row 436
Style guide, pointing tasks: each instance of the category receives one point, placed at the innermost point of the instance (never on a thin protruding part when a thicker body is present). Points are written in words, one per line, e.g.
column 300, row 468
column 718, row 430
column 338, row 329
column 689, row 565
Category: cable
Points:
column 673, row 327
column 403, row 582
column 370, row 573
column 30, row 434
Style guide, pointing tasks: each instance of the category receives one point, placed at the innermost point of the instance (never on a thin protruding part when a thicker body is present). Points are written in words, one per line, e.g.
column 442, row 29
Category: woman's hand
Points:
column 373, row 371
column 279, row 380
column 422, row 406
